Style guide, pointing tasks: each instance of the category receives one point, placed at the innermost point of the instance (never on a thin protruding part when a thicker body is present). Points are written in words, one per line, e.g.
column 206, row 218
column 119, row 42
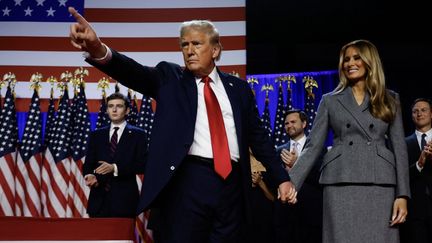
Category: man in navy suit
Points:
column 302, row 222
column 110, row 169
column 418, row 227
column 195, row 201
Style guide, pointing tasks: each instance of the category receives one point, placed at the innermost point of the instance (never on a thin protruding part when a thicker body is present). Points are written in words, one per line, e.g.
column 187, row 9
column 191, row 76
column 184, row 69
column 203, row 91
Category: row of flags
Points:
column 41, row 176
column 278, row 134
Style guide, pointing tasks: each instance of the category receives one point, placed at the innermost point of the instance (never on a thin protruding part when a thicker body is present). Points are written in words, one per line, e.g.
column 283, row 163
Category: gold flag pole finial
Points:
column 78, row 79
column 309, row 84
column 103, row 84
column 10, row 78
column 267, row 88
column 35, row 80
column 65, row 77
column 252, row 81
column 51, row 80
column 286, row 78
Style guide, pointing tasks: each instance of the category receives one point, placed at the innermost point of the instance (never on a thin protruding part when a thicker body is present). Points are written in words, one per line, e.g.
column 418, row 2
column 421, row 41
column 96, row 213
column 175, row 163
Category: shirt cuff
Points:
column 418, row 167
column 115, row 170
column 101, row 60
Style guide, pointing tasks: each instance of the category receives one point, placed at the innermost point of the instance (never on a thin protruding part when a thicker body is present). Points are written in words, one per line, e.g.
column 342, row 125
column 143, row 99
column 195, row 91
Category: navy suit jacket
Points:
column 176, row 94
column 420, row 182
column 121, row 199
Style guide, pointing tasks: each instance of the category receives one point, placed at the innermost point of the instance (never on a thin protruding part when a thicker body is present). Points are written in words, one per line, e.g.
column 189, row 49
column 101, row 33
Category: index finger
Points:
column 78, row 17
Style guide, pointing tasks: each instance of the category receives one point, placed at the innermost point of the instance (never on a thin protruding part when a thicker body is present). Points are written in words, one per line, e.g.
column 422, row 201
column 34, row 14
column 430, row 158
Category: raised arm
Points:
column 84, row 37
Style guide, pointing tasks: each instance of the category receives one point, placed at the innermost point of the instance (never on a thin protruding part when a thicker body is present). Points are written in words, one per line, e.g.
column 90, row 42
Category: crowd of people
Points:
column 199, row 185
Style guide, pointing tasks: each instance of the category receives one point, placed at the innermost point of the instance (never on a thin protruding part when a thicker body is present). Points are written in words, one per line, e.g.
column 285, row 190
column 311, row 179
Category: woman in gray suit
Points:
column 365, row 174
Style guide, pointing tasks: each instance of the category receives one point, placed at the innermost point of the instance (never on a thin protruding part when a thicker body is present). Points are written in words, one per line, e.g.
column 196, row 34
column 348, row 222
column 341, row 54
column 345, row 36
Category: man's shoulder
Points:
column 135, row 129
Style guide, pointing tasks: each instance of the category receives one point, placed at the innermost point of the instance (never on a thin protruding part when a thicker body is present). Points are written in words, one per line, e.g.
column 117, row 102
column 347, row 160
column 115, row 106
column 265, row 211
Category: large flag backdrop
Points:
column 34, row 37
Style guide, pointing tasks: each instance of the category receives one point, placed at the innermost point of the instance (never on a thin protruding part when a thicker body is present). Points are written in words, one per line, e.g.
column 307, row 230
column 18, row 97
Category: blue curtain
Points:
column 327, row 81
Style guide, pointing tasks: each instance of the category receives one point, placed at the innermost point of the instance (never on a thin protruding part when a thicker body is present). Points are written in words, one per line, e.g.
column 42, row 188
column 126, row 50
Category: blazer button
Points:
column 350, row 143
column 172, row 167
column 371, row 126
column 348, row 125
column 368, row 143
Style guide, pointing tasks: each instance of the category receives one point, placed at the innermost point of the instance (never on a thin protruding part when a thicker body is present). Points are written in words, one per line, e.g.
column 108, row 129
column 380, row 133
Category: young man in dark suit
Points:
column 300, row 223
column 115, row 155
column 198, row 172
column 418, row 227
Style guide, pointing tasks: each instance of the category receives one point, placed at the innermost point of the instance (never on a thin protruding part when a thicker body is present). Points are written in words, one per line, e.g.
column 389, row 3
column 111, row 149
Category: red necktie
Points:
column 221, row 154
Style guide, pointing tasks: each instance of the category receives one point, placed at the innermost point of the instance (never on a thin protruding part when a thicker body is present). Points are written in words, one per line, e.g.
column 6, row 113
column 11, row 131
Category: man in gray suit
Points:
column 300, row 223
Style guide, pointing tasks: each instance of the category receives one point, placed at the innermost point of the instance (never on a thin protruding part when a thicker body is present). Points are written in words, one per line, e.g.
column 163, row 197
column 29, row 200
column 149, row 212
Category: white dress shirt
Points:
column 201, row 145
column 419, row 137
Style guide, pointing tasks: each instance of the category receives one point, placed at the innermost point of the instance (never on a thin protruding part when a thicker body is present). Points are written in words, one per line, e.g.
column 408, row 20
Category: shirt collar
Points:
column 213, row 75
column 121, row 126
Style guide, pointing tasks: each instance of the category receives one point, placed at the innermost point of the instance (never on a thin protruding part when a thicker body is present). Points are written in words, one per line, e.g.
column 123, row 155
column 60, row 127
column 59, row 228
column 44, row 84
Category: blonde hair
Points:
column 382, row 104
column 203, row 26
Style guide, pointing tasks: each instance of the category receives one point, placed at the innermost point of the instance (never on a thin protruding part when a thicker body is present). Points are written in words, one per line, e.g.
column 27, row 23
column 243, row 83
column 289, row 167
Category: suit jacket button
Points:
column 172, row 167
column 351, row 143
column 368, row 143
column 348, row 125
column 371, row 126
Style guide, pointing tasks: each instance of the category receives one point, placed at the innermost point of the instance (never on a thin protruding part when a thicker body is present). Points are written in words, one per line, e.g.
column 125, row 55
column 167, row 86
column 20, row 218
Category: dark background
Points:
column 306, row 35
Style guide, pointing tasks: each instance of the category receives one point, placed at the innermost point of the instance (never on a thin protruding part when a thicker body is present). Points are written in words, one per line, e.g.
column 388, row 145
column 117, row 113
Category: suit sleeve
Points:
column 397, row 139
column 314, row 146
column 144, row 79
column 261, row 145
column 90, row 160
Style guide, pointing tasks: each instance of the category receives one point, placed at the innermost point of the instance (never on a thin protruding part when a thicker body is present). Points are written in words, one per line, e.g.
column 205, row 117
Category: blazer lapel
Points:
column 360, row 113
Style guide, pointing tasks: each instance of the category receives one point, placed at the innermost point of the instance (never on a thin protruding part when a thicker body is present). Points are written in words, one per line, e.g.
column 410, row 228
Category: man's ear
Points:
column 216, row 51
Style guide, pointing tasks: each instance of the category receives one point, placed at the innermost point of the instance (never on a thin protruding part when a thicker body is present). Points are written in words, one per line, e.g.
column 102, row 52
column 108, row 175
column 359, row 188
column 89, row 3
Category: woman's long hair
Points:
column 382, row 104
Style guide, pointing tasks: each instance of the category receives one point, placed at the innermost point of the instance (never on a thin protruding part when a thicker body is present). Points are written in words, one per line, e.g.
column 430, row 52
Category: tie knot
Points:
column 116, row 129
column 206, row 79
column 424, row 135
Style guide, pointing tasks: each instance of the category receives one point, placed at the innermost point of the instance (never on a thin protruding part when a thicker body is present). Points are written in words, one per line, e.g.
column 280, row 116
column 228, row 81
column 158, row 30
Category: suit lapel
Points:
column 234, row 98
column 190, row 89
column 360, row 113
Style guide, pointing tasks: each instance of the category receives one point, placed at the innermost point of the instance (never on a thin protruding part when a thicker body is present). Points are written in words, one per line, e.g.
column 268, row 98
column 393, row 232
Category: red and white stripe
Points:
column 55, row 181
column 144, row 30
column 7, row 184
column 145, row 235
column 27, row 186
column 77, row 190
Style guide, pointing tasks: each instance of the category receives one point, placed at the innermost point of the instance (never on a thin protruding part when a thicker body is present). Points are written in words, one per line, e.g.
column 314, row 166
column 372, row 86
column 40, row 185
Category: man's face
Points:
column 117, row 110
column 198, row 53
column 422, row 115
column 294, row 126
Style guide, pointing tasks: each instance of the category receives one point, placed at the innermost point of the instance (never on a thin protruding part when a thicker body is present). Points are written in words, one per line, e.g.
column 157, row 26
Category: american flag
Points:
column 102, row 118
column 265, row 117
column 8, row 142
column 29, row 162
column 309, row 107
column 145, row 116
column 132, row 117
column 279, row 133
column 34, row 37
column 80, row 127
column 56, row 165
column 50, row 119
